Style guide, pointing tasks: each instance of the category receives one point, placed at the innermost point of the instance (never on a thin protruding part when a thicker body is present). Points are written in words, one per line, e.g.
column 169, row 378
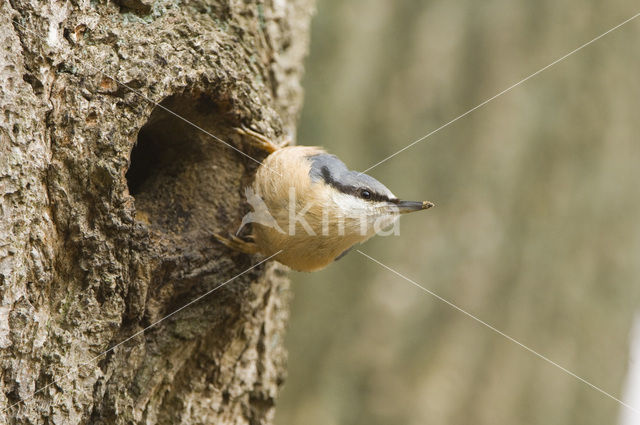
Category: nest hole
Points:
column 184, row 181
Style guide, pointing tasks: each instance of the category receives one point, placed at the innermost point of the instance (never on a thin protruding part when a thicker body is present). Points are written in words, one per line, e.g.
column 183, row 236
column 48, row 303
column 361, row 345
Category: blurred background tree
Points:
column 536, row 228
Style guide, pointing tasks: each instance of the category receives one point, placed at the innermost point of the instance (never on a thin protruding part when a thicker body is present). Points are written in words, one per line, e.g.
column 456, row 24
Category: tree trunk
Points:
column 108, row 201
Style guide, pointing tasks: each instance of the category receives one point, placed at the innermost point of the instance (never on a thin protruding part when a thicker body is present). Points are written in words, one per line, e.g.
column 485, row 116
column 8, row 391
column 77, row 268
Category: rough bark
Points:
column 108, row 201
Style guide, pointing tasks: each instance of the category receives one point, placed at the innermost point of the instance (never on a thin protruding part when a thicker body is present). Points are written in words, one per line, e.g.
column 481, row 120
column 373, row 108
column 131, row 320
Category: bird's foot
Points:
column 259, row 141
column 237, row 244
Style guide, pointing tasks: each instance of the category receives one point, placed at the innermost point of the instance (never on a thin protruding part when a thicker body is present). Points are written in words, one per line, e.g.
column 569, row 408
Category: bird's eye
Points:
column 365, row 194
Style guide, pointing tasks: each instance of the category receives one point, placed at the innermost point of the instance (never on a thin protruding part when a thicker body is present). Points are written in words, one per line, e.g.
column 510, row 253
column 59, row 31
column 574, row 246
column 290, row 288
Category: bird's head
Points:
column 366, row 204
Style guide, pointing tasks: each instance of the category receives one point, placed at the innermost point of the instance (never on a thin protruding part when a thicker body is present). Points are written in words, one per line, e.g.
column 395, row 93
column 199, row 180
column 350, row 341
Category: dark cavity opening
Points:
column 184, row 181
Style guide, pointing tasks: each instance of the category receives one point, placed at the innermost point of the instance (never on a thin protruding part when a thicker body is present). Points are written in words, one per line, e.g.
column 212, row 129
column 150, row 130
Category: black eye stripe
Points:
column 352, row 190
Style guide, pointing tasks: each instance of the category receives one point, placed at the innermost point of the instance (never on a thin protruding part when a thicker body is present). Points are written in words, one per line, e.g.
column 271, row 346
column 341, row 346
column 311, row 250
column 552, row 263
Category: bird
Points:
column 309, row 208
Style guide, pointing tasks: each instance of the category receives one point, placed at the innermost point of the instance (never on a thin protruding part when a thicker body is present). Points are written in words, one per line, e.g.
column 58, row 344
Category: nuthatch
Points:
column 312, row 207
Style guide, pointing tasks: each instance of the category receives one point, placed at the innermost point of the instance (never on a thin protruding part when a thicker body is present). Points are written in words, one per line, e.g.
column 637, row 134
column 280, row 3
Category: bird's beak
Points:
column 405, row 207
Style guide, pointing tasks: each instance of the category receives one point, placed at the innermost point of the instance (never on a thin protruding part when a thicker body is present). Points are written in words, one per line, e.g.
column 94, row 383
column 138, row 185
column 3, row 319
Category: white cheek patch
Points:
column 368, row 217
column 351, row 205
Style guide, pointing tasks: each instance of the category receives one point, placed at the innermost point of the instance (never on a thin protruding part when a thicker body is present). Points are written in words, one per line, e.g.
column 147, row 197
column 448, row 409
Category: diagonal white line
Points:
column 140, row 94
column 515, row 341
column 503, row 92
column 184, row 306
column 137, row 333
